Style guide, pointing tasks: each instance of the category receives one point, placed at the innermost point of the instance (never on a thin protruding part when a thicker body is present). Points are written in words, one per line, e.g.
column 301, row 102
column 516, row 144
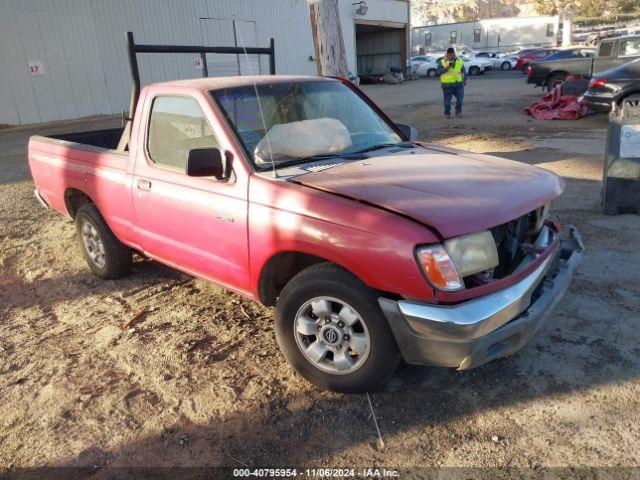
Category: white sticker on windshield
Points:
column 630, row 141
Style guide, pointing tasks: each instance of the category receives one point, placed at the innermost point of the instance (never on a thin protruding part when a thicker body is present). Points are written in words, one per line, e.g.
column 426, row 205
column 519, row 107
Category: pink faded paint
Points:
column 367, row 216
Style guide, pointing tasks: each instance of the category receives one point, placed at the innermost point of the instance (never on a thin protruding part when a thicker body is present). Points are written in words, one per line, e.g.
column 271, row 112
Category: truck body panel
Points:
column 611, row 53
column 371, row 211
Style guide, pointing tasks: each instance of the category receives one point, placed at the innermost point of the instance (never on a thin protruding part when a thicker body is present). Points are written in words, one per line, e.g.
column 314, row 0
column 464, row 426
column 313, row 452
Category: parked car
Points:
column 610, row 53
column 300, row 192
column 425, row 65
column 498, row 61
column 521, row 53
column 476, row 66
column 537, row 55
column 608, row 89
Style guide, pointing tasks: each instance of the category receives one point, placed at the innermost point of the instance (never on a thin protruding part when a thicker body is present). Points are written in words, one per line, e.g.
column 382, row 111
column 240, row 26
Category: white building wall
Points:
column 504, row 34
column 80, row 44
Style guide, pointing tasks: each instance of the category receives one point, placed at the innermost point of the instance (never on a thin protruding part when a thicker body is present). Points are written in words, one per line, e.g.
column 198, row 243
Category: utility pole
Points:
column 328, row 42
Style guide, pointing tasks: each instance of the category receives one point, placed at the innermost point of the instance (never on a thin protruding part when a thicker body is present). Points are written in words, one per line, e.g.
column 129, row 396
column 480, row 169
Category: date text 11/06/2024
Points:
column 316, row 472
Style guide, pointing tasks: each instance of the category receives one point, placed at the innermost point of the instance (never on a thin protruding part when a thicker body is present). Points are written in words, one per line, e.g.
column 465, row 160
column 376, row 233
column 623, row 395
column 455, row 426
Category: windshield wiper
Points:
column 322, row 156
column 378, row 146
column 357, row 155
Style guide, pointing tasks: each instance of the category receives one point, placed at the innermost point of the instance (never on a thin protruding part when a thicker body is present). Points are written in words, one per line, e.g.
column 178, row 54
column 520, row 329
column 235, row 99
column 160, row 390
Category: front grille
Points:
column 510, row 238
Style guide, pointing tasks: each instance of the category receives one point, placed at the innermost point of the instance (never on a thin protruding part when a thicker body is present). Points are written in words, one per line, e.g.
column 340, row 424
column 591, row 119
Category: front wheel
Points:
column 331, row 330
column 431, row 72
column 474, row 71
column 506, row 66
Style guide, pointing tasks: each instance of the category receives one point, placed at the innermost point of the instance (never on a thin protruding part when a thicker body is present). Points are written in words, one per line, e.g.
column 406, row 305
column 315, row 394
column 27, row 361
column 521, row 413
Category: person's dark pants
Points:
column 450, row 91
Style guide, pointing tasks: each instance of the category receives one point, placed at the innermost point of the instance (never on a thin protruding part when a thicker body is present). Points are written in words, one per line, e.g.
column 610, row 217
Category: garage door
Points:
column 379, row 48
column 230, row 33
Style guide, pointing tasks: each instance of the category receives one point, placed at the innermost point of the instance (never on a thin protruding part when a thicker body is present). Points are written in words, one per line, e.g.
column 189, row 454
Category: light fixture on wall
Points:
column 362, row 8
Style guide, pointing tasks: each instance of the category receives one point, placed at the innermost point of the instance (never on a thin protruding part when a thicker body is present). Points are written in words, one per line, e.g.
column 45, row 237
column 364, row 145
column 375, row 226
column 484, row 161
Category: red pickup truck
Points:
column 299, row 192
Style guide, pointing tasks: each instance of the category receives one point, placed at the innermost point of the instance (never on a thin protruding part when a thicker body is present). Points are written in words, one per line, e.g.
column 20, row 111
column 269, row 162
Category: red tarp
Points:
column 555, row 106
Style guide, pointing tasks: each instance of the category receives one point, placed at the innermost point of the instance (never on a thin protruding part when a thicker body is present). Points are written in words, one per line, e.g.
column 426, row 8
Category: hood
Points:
column 453, row 192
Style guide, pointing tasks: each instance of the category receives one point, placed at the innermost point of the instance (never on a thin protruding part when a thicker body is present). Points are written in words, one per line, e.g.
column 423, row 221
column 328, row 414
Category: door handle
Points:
column 144, row 185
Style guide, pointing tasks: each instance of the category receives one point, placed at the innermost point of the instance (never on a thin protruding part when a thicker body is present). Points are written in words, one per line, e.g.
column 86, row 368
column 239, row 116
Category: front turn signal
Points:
column 439, row 268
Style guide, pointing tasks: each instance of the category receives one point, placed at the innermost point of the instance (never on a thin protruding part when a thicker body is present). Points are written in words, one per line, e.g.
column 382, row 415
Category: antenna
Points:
column 255, row 89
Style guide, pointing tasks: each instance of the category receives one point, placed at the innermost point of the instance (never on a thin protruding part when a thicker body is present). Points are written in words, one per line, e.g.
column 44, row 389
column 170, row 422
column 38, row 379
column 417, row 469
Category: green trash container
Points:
column 621, row 176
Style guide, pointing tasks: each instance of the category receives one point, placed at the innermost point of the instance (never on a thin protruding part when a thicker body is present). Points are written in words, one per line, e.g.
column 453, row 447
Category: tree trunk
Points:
column 567, row 27
column 328, row 41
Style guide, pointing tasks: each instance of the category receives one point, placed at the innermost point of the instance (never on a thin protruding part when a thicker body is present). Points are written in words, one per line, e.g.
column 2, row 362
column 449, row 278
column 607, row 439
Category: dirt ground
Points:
column 199, row 380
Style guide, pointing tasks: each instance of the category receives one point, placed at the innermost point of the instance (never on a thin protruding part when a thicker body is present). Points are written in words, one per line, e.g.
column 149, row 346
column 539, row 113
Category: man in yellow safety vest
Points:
column 453, row 78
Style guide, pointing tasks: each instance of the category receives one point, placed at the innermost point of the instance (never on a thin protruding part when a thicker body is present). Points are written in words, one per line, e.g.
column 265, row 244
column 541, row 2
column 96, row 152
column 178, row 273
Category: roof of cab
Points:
column 213, row 83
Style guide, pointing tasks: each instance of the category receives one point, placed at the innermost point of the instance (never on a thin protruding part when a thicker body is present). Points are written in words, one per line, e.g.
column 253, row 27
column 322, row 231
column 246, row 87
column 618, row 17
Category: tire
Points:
column 297, row 307
column 554, row 80
column 505, row 66
column 633, row 99
column 524, row 68
column 431, row 72
column 106, row 255
column 474, row 71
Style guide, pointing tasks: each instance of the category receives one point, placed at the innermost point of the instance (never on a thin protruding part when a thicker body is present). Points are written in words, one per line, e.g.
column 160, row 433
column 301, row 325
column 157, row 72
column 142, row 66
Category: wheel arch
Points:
column 555, row 73
column 74, row 199
column 626, row 95
column 282, row 267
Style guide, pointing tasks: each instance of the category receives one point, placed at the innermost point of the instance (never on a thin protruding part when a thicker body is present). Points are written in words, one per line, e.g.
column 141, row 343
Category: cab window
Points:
column 629, row 48
column 176, row 125
column 605, row 49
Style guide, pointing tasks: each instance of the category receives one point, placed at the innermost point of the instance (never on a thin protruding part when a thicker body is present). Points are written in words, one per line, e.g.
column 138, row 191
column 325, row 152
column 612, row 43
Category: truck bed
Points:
column 107, row 138
column 86, row 162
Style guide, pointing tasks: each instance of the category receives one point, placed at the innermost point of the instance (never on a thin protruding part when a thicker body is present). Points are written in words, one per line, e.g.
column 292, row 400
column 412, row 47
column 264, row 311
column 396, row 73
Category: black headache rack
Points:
column 133, row 49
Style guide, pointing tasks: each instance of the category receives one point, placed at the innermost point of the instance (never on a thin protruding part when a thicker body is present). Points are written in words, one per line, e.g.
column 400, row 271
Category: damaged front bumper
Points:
column 477, row 331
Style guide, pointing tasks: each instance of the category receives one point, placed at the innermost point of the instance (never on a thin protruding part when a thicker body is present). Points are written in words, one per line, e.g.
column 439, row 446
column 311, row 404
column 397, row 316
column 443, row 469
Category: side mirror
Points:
column 207, row 162
column 409, row 132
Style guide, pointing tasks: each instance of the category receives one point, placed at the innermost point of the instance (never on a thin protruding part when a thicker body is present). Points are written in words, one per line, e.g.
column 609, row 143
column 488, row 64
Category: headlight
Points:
column 446, row 265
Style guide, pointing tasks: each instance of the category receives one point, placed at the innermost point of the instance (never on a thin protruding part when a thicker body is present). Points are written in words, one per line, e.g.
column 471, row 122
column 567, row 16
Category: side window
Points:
column 477, row 32
column 629, row 48
column 176, row 125
column 605, row 49
column 550, row 29
column 453, row 37
column 427, row 39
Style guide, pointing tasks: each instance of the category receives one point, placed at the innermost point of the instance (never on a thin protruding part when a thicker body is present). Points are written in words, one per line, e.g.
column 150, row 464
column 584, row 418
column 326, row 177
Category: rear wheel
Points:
column 474, row 70
column 555, row 80
column 431, row 72
column 331, row 330
column 106, row 255
column 506, row 66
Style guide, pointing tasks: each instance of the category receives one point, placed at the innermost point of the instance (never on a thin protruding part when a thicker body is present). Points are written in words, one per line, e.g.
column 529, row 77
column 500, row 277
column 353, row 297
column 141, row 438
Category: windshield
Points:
column 304, row 120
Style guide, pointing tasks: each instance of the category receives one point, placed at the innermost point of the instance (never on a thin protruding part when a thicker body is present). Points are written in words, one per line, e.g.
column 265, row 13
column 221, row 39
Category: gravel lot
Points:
column 200, row 382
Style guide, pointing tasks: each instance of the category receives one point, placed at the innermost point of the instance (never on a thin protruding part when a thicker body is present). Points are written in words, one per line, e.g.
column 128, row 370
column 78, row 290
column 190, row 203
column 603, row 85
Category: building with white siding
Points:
column 493, row 34
column 64, row 59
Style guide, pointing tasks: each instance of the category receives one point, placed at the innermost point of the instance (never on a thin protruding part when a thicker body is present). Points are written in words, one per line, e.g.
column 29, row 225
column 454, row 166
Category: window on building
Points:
column 176, row 125
column 629, row 48
column 550, row 29
column 453, row 37
column 477, row 33
column 427, row 39
column 605, row 49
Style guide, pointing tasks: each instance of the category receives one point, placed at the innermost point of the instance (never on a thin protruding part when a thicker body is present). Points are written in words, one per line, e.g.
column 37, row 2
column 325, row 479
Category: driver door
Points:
column 196, row 224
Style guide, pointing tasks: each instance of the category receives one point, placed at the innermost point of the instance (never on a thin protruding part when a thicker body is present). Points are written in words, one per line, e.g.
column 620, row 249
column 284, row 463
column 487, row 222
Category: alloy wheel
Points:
column 332, row 335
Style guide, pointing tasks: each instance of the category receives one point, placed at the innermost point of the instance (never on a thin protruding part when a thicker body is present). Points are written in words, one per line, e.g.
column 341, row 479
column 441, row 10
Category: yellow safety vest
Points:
column 454, row 74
